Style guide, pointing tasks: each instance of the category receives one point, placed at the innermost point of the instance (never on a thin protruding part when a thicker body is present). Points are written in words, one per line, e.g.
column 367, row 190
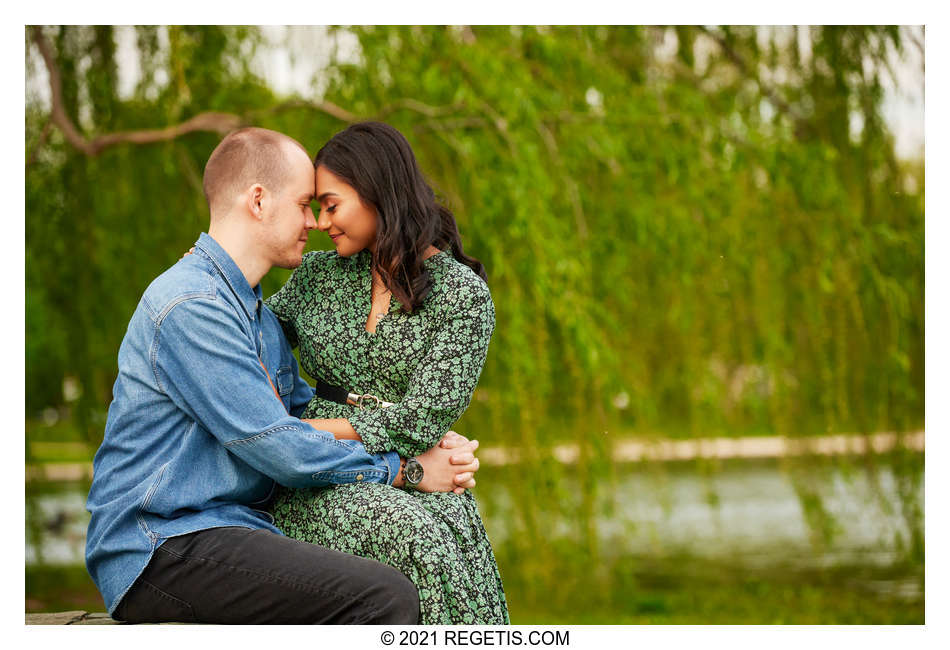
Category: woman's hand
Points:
column 446, row 470
column 465, row 479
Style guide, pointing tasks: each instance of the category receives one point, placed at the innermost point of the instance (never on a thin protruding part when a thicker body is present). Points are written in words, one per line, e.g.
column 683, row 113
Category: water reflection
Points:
column 746, row 510
column 59, row 519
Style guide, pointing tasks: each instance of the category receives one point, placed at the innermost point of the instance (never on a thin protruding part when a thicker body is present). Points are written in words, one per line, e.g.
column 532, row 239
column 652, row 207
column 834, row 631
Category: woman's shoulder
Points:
column 458, row 280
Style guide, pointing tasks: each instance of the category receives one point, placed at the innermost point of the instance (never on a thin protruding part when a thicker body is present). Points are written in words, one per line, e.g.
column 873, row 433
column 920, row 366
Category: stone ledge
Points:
column 77, row 617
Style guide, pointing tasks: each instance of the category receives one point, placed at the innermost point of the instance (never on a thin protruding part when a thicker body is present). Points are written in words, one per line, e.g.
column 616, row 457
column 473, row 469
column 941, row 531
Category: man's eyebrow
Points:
column 307, row 196
column 326, row 194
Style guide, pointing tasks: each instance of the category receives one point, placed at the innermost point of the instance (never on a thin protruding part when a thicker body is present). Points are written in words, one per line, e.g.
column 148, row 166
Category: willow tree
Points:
column 688, row 231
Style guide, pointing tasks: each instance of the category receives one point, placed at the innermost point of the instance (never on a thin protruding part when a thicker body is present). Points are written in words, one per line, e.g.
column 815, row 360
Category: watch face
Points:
column 413, row 472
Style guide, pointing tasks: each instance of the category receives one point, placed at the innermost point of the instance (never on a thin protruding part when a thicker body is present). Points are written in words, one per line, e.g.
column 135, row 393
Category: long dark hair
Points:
column 376, row 160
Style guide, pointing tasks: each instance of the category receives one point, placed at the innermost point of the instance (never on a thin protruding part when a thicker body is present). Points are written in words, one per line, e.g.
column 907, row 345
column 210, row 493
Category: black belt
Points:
column 339, row 395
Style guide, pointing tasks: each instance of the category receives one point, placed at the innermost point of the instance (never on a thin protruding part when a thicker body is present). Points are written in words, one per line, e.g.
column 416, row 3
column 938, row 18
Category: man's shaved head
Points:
column 244, row 157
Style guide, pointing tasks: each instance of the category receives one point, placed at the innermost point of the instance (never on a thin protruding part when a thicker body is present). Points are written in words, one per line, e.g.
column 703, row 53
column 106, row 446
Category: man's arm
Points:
column 205, row 362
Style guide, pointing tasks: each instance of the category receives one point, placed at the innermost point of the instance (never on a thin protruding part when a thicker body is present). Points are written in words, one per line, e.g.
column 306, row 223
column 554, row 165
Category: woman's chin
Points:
column 347, row 251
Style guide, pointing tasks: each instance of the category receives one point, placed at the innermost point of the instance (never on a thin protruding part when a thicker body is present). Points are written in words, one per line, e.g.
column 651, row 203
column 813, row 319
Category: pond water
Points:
column 746, row 510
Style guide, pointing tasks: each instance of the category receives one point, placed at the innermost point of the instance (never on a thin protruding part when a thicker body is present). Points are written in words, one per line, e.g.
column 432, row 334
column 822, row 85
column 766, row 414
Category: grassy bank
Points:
column 683, row 590
column 645, row 590
column 60, row 589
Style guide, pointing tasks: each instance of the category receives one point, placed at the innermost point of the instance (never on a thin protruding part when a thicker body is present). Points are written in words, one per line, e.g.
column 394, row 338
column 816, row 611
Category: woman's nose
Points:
column 323, row 220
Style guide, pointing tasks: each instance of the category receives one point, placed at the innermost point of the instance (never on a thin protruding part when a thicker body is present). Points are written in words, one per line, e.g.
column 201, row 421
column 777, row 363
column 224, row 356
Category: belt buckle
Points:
column 362, row 399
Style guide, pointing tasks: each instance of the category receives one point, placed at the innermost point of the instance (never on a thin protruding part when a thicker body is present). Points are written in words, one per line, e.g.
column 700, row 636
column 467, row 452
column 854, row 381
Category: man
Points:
column 203, row 424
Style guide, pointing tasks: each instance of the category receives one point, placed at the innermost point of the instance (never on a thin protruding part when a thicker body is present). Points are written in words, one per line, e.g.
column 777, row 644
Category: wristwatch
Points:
column 412, row 474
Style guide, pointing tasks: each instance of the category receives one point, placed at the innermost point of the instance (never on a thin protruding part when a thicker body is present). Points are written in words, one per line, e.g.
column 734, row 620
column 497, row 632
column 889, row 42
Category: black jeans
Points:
column 243, row 576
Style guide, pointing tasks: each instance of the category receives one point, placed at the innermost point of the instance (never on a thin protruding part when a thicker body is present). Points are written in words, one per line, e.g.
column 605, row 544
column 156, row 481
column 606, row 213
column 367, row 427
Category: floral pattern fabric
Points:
column 427, row 364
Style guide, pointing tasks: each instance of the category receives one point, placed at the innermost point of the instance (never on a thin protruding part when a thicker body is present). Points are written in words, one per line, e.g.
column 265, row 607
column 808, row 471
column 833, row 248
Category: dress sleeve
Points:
column 286, row 303
column 441, row 387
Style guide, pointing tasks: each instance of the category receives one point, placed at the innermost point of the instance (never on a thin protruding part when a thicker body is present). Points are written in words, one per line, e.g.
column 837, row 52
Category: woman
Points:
column 397, row 311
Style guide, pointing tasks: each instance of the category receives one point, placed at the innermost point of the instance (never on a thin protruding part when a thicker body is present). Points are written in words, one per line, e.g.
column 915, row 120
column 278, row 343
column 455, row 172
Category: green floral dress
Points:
column 427, row 363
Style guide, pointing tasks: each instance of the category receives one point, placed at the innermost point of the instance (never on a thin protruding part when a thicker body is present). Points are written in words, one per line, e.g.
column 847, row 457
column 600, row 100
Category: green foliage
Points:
column 689, row 241
column 652, row 227
column 684, row 590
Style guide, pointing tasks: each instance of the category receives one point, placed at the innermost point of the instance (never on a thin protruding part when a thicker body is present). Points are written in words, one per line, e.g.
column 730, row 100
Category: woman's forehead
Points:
column 329, row 183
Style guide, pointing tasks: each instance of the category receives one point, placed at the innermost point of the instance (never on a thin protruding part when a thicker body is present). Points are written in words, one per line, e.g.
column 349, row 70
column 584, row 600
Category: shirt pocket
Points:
column 285, row 381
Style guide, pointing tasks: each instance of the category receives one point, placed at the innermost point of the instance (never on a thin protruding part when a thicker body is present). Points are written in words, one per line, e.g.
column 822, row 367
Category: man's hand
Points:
column 448, row 469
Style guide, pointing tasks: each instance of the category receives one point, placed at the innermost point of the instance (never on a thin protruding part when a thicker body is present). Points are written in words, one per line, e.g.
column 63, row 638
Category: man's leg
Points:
column 243, row 576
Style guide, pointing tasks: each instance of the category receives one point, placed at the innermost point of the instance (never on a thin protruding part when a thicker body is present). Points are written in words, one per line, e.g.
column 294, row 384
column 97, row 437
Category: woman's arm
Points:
column 441, row 386
column 339, row 427
column 464, row 461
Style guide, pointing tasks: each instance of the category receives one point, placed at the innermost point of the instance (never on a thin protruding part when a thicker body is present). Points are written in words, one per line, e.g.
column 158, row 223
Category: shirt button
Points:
column 359, row 477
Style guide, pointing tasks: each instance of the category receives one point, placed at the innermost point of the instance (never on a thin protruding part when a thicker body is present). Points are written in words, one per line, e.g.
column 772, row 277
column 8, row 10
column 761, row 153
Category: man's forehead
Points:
column 296, row 152
column 305, row 187
column 303, row 168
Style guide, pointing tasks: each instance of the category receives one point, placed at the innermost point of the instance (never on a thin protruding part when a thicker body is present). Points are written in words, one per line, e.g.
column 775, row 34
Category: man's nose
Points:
column 311, row 222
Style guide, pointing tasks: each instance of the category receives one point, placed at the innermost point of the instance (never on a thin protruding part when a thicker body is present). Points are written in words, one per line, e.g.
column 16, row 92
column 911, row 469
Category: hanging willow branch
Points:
column 208, row 121
column 44, row 135
column 217, row 122
column 323, row 106
column 214, row 121
column 746, row 69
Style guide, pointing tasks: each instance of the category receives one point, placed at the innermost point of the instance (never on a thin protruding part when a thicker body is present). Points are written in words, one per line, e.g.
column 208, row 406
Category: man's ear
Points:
column 254, row 197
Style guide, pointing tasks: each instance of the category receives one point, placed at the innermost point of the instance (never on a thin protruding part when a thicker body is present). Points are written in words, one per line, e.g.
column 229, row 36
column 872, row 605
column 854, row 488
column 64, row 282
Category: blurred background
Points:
column 704, row 397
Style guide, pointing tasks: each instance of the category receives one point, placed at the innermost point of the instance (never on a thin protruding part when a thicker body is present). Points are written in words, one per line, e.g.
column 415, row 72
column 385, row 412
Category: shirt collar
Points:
column 250, row 298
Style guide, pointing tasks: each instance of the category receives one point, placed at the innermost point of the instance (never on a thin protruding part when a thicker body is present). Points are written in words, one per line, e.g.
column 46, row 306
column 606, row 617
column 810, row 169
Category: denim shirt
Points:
column 196, row 437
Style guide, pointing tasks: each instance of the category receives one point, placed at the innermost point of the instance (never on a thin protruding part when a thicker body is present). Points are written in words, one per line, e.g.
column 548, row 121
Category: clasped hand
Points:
column 450, row 466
